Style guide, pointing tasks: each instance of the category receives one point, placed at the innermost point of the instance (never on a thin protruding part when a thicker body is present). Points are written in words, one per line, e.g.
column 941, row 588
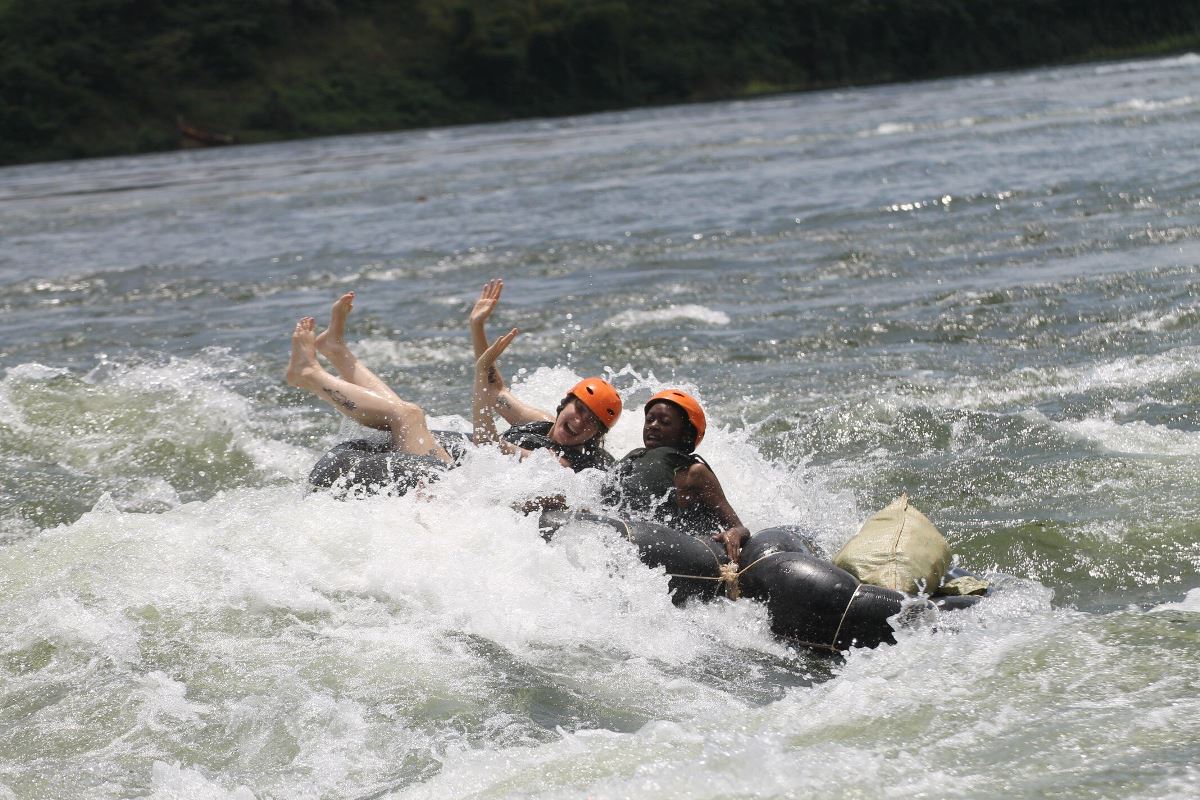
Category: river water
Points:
column 983, row 291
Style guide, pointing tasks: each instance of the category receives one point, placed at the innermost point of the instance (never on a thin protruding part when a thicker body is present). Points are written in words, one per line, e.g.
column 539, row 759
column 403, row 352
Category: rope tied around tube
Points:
column 729, row 575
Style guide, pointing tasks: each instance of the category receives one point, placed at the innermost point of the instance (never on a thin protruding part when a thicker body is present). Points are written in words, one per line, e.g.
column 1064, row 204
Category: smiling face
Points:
column 575, row 424
column 665, row 426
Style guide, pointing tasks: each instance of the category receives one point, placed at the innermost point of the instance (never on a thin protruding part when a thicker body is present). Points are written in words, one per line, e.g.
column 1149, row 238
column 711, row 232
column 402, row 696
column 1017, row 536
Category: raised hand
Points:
column 485, row 365
column 489, row 296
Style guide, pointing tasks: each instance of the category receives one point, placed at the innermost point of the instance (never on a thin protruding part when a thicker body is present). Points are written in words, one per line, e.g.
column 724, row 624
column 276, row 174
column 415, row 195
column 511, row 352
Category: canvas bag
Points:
column 899, row 549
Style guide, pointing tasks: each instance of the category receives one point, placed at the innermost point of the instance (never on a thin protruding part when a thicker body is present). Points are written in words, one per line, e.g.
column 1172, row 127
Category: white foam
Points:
column 670, row 314
column 1134, row 438
column 1158, row 321
column 337, row 639
column 33, row 373
column 75, row 627
column 391, row 353
column 1190, row 603
column 1185, row 61
column 173, row 782
column 810, row 740
column 1139, row 104
column 1137, row 371
column 894, row 128
column 11, row 416
column 119, row 415
column 1030, row 385
column 164, row 702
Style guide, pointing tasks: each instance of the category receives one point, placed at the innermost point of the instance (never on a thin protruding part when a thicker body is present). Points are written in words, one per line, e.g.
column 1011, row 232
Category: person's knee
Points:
column 407, row 415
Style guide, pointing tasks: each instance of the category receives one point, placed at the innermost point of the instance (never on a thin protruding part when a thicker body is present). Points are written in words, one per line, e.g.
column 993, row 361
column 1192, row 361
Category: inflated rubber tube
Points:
column 371, row 465
column 955, row 602
column 692, row 562
column 811, row 601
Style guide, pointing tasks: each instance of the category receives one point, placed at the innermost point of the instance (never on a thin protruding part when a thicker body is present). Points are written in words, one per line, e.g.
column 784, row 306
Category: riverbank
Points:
column 90, row 79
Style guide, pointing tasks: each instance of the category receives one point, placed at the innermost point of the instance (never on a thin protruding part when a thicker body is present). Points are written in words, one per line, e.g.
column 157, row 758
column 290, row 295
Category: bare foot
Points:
column 332, row 341
column 303, row 363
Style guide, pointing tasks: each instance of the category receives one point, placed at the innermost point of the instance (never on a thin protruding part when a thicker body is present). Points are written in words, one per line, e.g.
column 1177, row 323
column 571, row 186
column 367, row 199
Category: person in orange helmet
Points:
column 665, row 479
column 575, row 432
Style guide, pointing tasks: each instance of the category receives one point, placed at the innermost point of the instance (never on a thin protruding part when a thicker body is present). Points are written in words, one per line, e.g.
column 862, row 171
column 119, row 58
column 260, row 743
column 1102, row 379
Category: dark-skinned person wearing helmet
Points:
column 667, row 481
column 575, row 432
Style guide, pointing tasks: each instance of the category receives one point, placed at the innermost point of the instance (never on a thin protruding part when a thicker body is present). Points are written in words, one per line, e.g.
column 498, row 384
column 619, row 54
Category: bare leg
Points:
column 405, row 421
column 332, row 344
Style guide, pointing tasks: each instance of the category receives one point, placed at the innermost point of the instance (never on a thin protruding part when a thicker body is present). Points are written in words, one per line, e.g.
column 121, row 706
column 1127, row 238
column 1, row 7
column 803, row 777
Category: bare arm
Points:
column 511, row 408
column 698, row 485
column 485, row 398
column 485, row 395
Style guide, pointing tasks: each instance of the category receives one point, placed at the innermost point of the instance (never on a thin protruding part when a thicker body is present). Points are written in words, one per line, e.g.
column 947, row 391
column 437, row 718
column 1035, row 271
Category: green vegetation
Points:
column 95, row 77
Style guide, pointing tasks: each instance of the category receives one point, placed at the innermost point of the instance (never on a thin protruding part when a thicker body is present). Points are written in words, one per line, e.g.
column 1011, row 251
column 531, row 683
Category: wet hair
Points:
column 598, row 439
column 689, row 430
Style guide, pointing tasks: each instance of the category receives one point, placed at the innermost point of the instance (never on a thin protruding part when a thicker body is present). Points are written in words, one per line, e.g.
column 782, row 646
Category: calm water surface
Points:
column 984, row 292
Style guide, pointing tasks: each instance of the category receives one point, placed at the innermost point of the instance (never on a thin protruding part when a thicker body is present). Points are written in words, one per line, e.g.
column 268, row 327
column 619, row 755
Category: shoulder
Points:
column 529, row 435
column 696, row 471
column 539, row 427
column 590, row 458
column 683, row 461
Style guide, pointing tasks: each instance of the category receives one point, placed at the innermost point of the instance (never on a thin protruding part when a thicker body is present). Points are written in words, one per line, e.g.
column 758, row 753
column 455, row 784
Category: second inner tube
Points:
column 371, row 465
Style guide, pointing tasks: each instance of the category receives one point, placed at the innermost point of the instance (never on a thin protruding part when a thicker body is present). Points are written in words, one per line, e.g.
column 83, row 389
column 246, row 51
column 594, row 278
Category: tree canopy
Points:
column 96, row 77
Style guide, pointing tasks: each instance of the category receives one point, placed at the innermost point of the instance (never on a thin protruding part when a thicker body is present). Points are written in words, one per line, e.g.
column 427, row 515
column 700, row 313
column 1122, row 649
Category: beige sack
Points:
column 897, row 549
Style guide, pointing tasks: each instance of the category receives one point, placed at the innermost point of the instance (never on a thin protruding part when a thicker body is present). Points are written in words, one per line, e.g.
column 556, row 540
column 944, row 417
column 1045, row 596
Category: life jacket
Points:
column 536, row 435
column 643, row 484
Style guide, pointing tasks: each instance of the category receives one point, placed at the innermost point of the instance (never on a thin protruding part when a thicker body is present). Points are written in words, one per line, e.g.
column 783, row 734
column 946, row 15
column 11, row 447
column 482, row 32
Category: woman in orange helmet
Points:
column 668, row 481
column 575, row 432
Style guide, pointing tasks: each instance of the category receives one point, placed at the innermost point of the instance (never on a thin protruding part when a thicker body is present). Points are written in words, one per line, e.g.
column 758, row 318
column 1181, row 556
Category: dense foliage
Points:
column 90, row 77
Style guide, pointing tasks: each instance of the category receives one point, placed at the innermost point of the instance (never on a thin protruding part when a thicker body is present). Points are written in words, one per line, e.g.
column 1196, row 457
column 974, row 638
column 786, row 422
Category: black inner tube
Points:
column 371, row 465
column 692, row 562
column 811, row 601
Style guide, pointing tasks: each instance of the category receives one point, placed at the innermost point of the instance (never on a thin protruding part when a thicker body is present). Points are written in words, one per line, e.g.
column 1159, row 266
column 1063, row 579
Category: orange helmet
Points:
column 601, row 399
column 688, row 404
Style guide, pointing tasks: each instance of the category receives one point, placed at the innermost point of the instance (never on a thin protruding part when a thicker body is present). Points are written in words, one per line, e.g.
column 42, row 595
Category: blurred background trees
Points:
column 96, row 77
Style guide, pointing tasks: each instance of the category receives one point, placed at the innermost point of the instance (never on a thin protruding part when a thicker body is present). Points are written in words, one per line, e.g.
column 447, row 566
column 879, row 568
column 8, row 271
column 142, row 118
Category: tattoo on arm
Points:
column 493, row 378
column 341, row 399
column 502, row 402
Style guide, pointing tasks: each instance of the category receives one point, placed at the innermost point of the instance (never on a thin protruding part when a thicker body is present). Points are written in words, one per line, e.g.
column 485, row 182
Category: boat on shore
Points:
column 194, row 136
